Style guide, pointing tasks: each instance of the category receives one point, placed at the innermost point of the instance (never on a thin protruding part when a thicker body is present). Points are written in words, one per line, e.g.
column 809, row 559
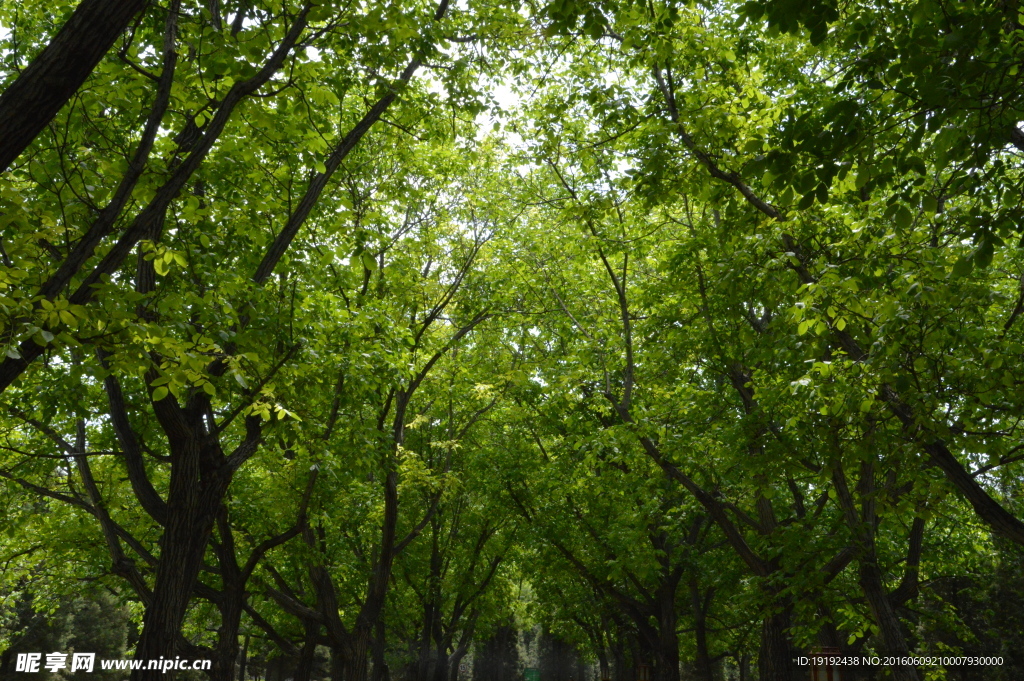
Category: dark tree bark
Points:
column 497, row 659
column 870, row 576
column 698, row 603
column 230, row 603
column 668, row 640
column 775, row 658
column 54, row 76
column 557, row 658
column 304, row 670
column 243, row 660
column 381, row 671
column 619, row 660
column 199, row 480
column 881, row 608
column 1002, row 521
column 604, row 670
column 150, row 219
column 456, row 661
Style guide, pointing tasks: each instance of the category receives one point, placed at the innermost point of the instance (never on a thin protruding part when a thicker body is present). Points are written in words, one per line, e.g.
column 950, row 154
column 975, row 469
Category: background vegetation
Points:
column 368, row 340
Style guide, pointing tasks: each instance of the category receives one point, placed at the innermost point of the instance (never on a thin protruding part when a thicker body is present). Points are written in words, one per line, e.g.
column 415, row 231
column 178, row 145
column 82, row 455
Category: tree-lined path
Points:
column 430, row 341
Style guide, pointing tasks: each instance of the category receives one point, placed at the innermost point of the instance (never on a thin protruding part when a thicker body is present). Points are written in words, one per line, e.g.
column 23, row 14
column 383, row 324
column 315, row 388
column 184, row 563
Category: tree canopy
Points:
column 420, row 341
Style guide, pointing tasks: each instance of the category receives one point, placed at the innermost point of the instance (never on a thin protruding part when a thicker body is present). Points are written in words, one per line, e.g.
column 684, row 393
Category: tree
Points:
column 55, row 74
column 180, row 373
column 326, row 357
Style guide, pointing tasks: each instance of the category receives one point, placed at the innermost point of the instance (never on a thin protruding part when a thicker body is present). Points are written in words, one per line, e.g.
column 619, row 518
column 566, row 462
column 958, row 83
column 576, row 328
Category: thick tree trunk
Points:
column 440, row 671
column 193, row 503
column 357, row 666
column 497, row 659
column 304, row 669
column 828, row 635
column 643, row 653
column 775, row 658
column 55, row 75
column 668, row 639
column 455, row 661
column 200, row 477
column 423, row 663
column 223, row 668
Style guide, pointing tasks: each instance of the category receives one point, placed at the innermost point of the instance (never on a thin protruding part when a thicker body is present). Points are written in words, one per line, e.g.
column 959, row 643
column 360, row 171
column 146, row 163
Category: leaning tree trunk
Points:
column 456, row 662
column 54, row 76
column 888, row 623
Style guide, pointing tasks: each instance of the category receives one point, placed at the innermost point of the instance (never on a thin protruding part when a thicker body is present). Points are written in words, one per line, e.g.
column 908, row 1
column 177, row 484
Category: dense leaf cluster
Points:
column 365, row 340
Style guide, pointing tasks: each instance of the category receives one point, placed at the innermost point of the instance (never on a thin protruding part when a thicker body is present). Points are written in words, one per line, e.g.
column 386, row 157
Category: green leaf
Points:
column 963, row 266
column 903, row 217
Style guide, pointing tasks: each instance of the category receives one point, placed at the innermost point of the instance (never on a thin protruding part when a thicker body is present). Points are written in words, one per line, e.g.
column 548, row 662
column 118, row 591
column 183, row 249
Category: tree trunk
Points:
column 602, row 664
column 381, row 671
column 863, row 527
column 231, row 603
column 881, row 608
column 244, row 659
column 338, row 656
column 357, row 665
column 423, row 663
column 775, row 658
column 440, row 664
column 304, row 669
column 703, row 661
column 455, row 661
column 619, row 660
column 192, row 507
column 54, row 76
column 668, row 639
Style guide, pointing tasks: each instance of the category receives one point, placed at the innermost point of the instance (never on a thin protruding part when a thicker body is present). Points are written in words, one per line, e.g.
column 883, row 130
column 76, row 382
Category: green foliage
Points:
column 713, row 329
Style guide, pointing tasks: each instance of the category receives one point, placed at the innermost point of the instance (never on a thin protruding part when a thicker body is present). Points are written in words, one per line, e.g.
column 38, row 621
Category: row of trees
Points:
column 703, row 353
